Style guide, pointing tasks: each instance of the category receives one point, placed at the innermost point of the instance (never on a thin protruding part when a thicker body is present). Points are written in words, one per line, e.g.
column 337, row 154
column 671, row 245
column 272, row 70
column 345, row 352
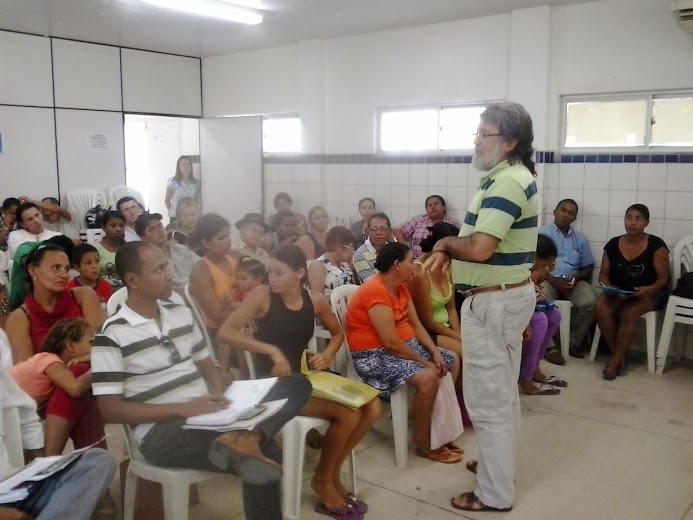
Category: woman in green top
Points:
column 113, row 225
column 433, row 294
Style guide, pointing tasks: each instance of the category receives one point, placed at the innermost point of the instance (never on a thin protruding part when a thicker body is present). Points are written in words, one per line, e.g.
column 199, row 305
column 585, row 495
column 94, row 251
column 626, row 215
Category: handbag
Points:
column 333, row 387
column 684, row 287
column 446, row 420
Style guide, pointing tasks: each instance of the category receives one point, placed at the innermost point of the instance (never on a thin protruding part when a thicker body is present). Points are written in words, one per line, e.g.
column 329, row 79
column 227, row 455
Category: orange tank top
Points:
column 224, row 285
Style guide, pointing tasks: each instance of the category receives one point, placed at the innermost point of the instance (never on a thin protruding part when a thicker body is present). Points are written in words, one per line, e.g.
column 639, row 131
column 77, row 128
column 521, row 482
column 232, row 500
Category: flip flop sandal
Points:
column 554, row 381
column 472, row 466
column 253, row 468
column 441, row 455
column 453, row 448
column 474, row 504
column 546, row 389
column 359, row 505
column 339, row 513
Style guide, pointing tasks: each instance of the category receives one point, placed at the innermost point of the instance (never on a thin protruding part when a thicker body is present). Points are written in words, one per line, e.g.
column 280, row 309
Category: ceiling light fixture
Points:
column 211, row 9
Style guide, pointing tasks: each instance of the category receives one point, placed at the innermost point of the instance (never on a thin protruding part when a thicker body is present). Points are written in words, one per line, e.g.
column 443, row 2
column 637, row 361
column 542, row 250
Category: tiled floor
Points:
column 601, row 450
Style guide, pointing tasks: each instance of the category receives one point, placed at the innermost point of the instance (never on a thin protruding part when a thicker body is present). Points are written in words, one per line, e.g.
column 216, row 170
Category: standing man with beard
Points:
column 492, row 258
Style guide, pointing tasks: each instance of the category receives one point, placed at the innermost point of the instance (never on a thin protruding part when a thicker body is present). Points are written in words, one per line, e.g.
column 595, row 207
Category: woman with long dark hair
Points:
column 182, row 184
column 285, row 315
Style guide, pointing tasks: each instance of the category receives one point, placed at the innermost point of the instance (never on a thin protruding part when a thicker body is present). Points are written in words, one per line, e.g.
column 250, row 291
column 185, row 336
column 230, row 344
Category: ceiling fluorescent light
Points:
column 211, row 9
column 252, row 4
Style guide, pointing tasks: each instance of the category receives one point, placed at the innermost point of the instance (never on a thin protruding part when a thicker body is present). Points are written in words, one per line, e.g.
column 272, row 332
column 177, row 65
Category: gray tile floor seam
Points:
column 611, row 423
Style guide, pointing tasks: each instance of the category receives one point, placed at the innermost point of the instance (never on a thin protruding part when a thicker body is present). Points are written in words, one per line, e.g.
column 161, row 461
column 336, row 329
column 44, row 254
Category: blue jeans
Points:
column 73, row 492
column 167, row 444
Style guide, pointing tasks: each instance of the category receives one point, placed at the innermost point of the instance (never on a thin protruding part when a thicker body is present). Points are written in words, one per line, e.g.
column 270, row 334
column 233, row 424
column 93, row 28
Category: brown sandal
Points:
column 440, row 455
column 472, row 503
column 453, row 448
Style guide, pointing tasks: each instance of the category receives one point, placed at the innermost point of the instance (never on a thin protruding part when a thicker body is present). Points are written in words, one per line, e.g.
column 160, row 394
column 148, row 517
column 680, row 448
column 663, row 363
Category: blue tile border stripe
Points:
column 540, row 157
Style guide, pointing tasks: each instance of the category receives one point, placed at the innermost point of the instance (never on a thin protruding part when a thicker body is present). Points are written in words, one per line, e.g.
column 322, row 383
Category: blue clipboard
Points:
column 614, row 290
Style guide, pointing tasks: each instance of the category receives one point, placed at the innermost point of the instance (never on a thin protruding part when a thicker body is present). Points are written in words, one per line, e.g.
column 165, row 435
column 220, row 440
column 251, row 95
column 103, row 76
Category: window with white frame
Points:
column 633, row 121
column 281, row 134
column 429, row 128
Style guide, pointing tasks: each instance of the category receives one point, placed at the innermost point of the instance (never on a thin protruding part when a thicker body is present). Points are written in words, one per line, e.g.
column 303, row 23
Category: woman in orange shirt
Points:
column 390, row 346
column 213, row 280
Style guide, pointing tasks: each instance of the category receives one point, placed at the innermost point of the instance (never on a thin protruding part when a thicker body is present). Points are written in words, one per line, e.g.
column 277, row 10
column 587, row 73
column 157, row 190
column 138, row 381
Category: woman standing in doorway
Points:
column 182, row 184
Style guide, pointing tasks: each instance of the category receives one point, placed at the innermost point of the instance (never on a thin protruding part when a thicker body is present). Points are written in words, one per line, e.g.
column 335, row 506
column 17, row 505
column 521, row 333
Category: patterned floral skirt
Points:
column 380, row 369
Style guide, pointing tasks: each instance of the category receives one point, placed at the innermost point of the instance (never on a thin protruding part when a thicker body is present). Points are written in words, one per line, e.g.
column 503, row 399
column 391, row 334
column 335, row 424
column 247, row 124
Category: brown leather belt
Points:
column 490, row 288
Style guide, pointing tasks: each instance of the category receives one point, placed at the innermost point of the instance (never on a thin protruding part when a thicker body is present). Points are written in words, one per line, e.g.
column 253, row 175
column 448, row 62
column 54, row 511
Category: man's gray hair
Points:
column 514, row 123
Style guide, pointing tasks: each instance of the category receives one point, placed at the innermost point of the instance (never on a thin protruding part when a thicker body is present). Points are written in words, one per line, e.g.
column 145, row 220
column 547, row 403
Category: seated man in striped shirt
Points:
column 152, row 370
column 379, row 232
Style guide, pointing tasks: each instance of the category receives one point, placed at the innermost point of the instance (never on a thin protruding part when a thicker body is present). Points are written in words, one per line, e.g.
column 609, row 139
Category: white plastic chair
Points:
column 118, row 192
column 564, row 307
column 399, row 401
column 81, row 201
column 12, row 437
column 118, row 297
column 651, row 333
column 294, row 450
column 175, row 482
column 679, row 309
column 197, row 314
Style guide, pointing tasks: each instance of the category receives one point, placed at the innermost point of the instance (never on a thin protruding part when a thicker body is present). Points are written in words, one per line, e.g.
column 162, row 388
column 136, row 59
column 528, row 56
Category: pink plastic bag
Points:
column 446, row 421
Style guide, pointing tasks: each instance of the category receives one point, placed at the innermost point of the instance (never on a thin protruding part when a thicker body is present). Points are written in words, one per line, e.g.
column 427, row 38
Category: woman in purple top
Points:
column 416, row 229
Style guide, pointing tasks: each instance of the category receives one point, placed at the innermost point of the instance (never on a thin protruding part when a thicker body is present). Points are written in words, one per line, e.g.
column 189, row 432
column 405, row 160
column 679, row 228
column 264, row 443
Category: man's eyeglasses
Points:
column 350, row 248
column 484, row 135
column 379, row 230
column 169, row 345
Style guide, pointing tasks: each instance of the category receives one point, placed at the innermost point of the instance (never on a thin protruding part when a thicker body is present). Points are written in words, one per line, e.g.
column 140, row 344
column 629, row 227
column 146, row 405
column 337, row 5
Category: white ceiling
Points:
column 131, row 23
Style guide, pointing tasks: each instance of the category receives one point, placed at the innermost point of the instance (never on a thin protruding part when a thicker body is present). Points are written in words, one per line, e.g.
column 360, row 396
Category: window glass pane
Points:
column 606, row 123
column 281, row 135
column 458, row 126
column 673, row 122
column 409, row 130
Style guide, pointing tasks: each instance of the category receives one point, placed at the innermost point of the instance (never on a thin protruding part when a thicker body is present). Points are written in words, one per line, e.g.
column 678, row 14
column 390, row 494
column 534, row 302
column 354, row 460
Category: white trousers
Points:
column 492, row 326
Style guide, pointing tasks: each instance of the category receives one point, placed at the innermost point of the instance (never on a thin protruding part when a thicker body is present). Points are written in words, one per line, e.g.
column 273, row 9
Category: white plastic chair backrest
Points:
column 683, row 257
column 5, row 351
column 132, row 447
column 340, row 220
column 81, row 201
column 197, row 314
column 116, row 300
column 12, row 432
column 339, row 298
column 118, row 192
column 118, row 297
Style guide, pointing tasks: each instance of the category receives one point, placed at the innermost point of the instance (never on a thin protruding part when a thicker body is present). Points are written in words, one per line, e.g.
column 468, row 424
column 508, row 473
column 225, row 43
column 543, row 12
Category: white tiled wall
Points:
column 604, row 191
column 398, row 189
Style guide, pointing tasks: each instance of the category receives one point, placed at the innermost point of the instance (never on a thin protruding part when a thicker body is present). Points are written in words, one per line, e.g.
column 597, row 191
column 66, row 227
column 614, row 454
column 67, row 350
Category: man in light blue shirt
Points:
column 572, row 277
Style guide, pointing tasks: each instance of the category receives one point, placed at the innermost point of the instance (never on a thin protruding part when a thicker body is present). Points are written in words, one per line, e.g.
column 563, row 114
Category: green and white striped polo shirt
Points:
column 506, row 206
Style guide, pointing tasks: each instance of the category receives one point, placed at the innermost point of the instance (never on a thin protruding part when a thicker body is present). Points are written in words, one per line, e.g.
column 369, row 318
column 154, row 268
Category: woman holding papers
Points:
column 637, row 262
column 285, row 314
